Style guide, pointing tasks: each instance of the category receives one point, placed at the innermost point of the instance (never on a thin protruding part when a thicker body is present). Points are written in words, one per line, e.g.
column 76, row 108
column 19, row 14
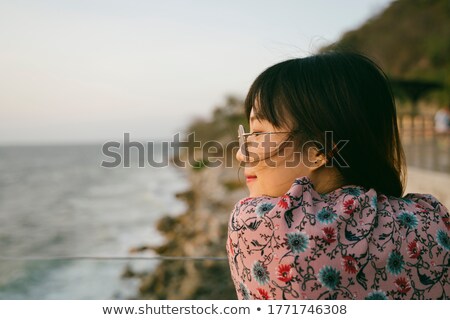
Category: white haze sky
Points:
column 77, row 71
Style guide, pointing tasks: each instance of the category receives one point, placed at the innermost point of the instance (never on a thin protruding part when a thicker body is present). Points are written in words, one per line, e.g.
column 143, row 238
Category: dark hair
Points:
column 345, row 93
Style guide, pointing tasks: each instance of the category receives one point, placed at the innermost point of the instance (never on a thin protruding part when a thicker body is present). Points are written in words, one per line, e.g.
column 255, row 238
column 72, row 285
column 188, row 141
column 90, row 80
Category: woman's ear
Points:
column 315, row 159
column 319, row 162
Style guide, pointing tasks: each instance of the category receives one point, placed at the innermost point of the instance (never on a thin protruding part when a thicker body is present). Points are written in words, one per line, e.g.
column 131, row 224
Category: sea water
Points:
column 60, row 201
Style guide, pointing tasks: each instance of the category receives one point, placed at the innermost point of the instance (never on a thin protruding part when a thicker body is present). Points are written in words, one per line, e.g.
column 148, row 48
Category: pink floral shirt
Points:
column 351, row 243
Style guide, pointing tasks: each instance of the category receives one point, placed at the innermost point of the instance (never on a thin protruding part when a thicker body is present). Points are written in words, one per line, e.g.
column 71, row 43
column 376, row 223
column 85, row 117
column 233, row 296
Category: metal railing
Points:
column 424, row 147
column 122, row 258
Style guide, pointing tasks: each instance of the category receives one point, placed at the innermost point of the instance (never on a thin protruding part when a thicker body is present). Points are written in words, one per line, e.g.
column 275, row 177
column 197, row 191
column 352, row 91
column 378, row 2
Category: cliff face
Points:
column 200, row 231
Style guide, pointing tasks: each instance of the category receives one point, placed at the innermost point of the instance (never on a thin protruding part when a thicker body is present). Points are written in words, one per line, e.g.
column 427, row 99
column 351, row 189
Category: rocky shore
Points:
column 200, row 231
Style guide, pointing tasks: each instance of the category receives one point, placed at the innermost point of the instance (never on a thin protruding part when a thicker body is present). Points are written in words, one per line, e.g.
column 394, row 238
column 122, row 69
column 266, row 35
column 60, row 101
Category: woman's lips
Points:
column 250, row 178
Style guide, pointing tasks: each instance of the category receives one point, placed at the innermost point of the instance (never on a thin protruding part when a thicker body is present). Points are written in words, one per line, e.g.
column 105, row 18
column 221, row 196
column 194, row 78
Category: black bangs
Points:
column 267, row 98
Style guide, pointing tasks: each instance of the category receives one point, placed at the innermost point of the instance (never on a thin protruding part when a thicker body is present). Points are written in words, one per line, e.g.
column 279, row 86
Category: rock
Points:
column 200, row 231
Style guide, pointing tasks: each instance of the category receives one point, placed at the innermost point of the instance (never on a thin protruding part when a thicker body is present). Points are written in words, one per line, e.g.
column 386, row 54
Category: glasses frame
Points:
column 242, row 136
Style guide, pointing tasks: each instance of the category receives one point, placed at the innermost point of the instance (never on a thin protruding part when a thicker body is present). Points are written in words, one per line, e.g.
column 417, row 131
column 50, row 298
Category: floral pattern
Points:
column 297, row 242
column 263, row 294
column 443, row 239
column 263, row 208
column 350, row 243
column 284, row 273
column 349, row 206
column 260, row 273
column 329, row 235
column 395, row 263
column 408, row 220
column 376, row 295
column 350, row 264
column 330, row 277
column 402, row 285
column 413, row 250
column 326, row 216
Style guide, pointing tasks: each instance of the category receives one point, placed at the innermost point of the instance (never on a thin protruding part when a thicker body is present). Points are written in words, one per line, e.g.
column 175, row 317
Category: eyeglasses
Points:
column 245, row 141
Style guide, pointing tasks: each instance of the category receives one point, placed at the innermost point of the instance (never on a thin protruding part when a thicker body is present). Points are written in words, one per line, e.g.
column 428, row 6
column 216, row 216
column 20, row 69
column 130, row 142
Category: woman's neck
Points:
column 326, row 180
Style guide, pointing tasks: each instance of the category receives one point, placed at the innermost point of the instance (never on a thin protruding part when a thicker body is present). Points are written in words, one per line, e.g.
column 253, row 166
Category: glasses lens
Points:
column 242, row 142
column 260, row 145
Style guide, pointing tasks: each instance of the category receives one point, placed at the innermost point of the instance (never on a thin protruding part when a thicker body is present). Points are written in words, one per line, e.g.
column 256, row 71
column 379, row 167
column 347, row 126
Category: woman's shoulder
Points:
column 421, row 204
column 303, row 191
column 425, row 200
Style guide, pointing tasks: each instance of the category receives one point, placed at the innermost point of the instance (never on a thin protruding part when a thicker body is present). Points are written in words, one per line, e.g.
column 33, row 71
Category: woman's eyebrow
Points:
column 256, row 117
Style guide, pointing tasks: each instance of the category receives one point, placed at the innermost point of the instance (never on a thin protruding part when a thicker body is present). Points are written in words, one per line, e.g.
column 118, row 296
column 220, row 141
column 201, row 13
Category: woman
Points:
column 325, row 169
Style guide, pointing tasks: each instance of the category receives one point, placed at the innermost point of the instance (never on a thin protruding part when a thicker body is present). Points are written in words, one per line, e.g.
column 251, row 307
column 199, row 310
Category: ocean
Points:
column 59, row 201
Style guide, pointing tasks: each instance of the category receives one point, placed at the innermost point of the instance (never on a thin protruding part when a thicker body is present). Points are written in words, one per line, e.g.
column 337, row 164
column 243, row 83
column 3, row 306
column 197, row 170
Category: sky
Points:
column 86, row 71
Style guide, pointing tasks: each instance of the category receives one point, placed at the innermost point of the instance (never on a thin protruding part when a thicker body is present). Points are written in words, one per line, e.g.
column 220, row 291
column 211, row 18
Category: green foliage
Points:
column 199, row 165
column 223, row 124
column 410, row 40
column 232, row 185
column 225, row 120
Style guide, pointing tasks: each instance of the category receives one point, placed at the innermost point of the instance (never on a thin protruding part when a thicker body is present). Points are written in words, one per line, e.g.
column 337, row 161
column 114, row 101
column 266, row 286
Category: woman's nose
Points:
column 240, row 155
